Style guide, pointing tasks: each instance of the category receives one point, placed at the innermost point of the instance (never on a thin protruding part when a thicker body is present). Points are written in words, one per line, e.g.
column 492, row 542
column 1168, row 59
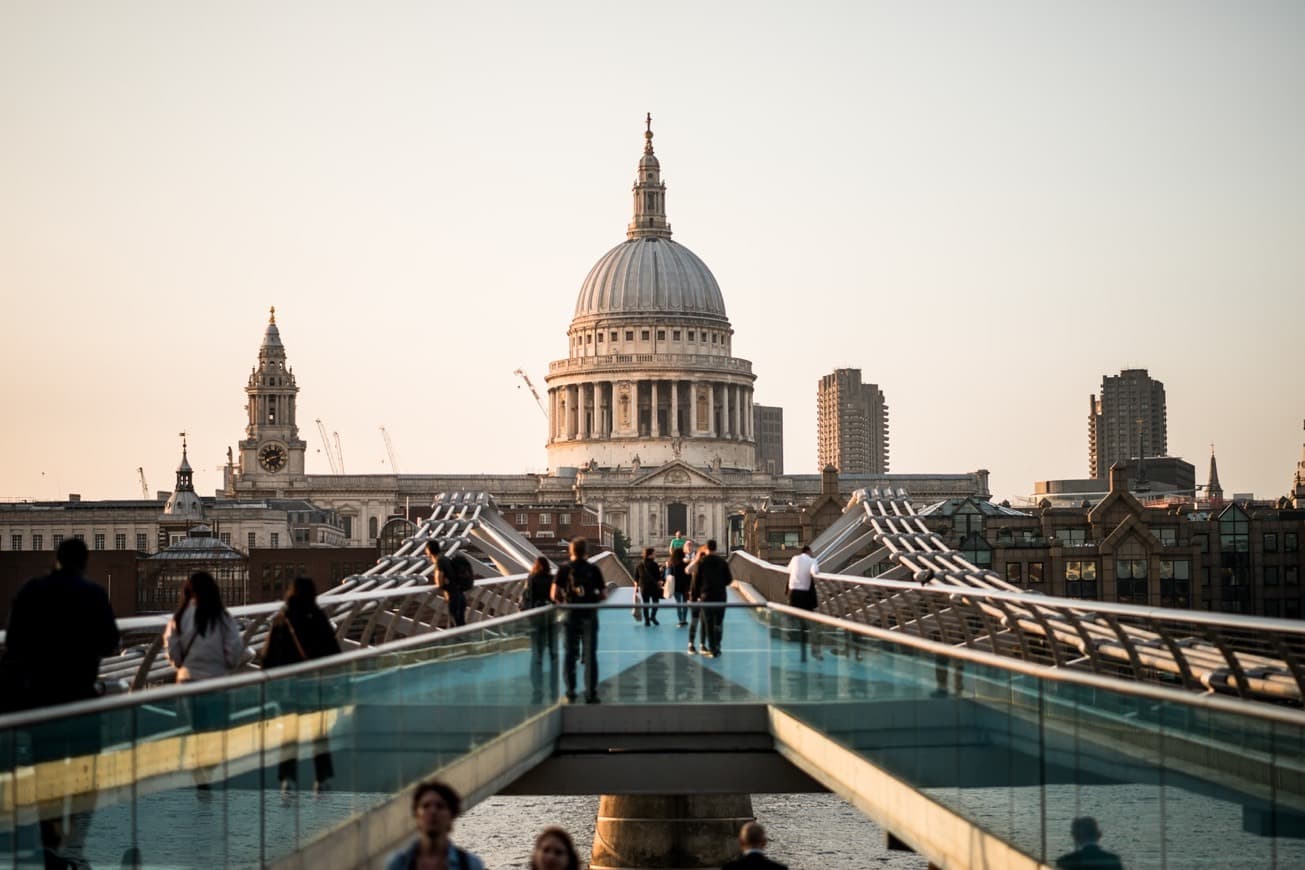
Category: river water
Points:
column 807, row 831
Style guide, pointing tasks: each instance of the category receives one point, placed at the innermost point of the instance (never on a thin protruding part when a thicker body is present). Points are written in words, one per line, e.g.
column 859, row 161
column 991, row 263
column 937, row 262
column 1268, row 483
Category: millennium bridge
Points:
column 970, row 719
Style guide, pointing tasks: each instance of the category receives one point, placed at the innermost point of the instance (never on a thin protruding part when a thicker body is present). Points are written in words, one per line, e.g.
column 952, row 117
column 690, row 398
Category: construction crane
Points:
column 144, row 487
column 339, row 455
column 538, row 401
column 337, row 466
column 389, row 448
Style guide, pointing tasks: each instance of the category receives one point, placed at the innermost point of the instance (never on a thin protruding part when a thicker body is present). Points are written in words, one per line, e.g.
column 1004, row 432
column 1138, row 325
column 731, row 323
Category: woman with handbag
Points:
column 300, row 632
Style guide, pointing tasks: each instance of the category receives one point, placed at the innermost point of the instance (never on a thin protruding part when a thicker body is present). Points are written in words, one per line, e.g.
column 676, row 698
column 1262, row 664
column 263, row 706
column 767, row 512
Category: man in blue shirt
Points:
column 434, row 807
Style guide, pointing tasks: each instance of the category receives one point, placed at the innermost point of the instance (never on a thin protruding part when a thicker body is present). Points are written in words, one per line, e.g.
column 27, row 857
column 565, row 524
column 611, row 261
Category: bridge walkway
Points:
column 972, row 759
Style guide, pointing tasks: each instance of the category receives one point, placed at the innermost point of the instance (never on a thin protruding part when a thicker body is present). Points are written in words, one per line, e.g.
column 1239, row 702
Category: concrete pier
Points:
column 668, row 832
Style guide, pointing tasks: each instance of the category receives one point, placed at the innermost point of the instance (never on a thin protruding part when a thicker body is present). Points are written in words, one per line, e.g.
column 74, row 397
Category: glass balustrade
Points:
column 225, row 773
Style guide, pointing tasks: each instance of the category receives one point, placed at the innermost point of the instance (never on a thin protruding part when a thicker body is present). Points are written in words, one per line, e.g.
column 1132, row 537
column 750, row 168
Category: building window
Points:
column 58, row 539
column 371, row 528
column 1290, row 576
column 1015, row 573
column 661, row 335
column 1202, row 543
column 99, row 540
column 1167, row 536
column 564, row 519
column 1272, row 607
column 275, row 540
column 600, row 338
column 1175, row 583
column 1072, row 537
column 1081, row 578
column 675, row 335
column 142, row 542
column 714, row 337
column 253, row 540
column 1035, row 572
column 1234, row 531
column 1270, row 542
column 225, row 537
column 1289, row 542
column 16, row 542
column 347, row 522
column 1291, row 608
column 690, row 335
column 38, row 542
column 643, row 335
column 589, row 339
column 1130, row 576
column 545, row 519
column 522, row 520
column 79, row 536
column 120, row 541
column 614, row 336
column 629, row 335
column 1270, row 575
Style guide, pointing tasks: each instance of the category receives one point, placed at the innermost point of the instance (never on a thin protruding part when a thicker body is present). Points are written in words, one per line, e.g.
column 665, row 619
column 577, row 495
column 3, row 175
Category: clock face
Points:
column 272, row 457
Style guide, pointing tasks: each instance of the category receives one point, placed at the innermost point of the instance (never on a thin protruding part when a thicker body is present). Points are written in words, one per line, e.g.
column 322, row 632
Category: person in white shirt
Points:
column 802, row 594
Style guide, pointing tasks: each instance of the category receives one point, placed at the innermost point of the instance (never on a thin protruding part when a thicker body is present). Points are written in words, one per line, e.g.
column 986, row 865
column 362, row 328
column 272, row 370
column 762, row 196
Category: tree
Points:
column 621, row 546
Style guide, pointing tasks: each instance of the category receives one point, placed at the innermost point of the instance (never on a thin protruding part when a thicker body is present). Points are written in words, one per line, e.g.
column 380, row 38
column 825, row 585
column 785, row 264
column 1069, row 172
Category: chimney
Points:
column 74, row 497
column 829, row 481
column 1119, row 477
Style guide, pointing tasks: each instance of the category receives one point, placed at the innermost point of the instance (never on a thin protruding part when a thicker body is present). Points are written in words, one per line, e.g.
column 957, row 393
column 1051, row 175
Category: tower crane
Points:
column 389, row 448
column 339, row 455
column 538, row 401
column 144, row 487
column 337, row 465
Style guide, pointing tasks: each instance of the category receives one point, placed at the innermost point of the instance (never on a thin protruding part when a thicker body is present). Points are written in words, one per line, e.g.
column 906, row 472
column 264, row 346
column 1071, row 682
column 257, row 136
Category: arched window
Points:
column 371, row 528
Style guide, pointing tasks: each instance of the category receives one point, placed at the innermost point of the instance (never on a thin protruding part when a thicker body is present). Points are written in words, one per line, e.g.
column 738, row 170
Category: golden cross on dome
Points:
column 272, row 313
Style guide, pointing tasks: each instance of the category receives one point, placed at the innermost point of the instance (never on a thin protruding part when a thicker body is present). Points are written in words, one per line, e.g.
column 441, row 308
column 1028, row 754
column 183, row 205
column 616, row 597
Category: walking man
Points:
column 710, row 581
column 60, row 626
column 579, row 582
column 802, row 594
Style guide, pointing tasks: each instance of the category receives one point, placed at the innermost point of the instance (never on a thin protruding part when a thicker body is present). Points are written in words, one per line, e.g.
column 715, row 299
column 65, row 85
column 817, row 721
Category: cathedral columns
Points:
column 656, row 428
column 675, row 409
column 726, row 421
column 582, row 408
column 572, row 410
column 711, row 409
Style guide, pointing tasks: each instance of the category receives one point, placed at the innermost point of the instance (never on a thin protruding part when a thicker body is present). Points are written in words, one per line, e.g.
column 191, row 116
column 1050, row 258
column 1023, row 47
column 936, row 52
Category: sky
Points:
column 985, row 207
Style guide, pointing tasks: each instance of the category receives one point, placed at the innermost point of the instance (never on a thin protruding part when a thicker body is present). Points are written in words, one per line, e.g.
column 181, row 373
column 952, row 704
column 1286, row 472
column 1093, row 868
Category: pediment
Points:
column 675, row 474
column 1131, row 528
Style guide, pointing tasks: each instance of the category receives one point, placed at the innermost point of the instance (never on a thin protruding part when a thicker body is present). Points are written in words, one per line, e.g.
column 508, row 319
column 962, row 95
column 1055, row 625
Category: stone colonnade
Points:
column 651, row 408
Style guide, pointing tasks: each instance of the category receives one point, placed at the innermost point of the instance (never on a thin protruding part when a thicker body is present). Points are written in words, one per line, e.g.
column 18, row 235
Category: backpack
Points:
column 463, row 579
column 585, row 584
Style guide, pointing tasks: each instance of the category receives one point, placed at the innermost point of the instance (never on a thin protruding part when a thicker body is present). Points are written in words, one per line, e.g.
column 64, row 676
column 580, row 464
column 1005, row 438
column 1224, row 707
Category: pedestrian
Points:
column 677, row 542
column 710, row 581
column 537, row 592
column 802, row 594
column 752, row 842
column 446, row 579
column 698, row 617
column 648, row 576
column 60, row 626
column 579, row 582
column 1087, row 855
column 435, row 805
column 554, row 850
column 677, row 585
column 202, row 639
column 300, row 632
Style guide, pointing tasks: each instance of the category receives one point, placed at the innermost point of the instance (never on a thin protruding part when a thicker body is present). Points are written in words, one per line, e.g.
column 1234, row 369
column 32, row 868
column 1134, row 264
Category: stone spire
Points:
column 649, row 195
column 184, row 502
column 271, row 348
column 1212, row 488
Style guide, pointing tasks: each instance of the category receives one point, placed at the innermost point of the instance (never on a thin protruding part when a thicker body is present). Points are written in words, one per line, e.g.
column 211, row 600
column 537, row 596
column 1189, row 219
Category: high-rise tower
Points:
column 1127, row 422
column 852, row 424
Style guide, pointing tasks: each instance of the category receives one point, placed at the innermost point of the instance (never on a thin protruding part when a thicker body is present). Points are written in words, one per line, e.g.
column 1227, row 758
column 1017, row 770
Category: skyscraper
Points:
column 1127, row 422
column 852, row 424
column 768, row 424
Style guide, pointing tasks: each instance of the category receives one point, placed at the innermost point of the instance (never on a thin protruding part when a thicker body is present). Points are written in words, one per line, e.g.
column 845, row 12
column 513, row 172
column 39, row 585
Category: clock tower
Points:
column 272, row 454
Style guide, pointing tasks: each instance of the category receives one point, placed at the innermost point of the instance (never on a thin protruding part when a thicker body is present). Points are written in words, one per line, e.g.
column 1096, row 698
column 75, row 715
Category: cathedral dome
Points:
column 650, row 275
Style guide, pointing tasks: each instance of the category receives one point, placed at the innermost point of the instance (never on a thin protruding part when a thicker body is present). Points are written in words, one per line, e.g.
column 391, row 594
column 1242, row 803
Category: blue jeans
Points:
column 681, row 612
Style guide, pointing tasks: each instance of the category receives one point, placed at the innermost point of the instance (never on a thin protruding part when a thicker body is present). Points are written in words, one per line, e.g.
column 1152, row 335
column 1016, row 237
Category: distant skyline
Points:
column 985, row 207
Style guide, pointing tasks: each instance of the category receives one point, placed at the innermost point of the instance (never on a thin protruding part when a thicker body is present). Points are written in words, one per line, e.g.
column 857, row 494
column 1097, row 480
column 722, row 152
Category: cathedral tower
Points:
column 272, row 454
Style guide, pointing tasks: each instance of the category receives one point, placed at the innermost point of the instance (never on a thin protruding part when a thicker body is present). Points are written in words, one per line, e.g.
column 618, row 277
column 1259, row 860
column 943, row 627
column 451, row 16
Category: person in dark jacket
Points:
column 677, row 568
column 648, row 576
column 710, row 581
column 1087, row 855
column 300, row 632
column 60, row 626
column 543, row 630
column 752, row 841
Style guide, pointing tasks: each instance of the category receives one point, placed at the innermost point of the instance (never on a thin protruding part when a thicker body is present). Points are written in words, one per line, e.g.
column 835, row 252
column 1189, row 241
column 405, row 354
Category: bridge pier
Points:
column 640, row 832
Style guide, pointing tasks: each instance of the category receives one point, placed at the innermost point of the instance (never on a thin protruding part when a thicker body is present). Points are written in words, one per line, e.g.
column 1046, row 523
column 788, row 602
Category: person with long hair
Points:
column 202, row 640
column 300, row 632
column 543, row 630
column 554, row 850
column 678, row 576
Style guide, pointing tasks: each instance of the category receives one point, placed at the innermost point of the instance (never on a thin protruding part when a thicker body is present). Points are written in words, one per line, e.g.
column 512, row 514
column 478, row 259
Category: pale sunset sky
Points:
column 984, row 206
